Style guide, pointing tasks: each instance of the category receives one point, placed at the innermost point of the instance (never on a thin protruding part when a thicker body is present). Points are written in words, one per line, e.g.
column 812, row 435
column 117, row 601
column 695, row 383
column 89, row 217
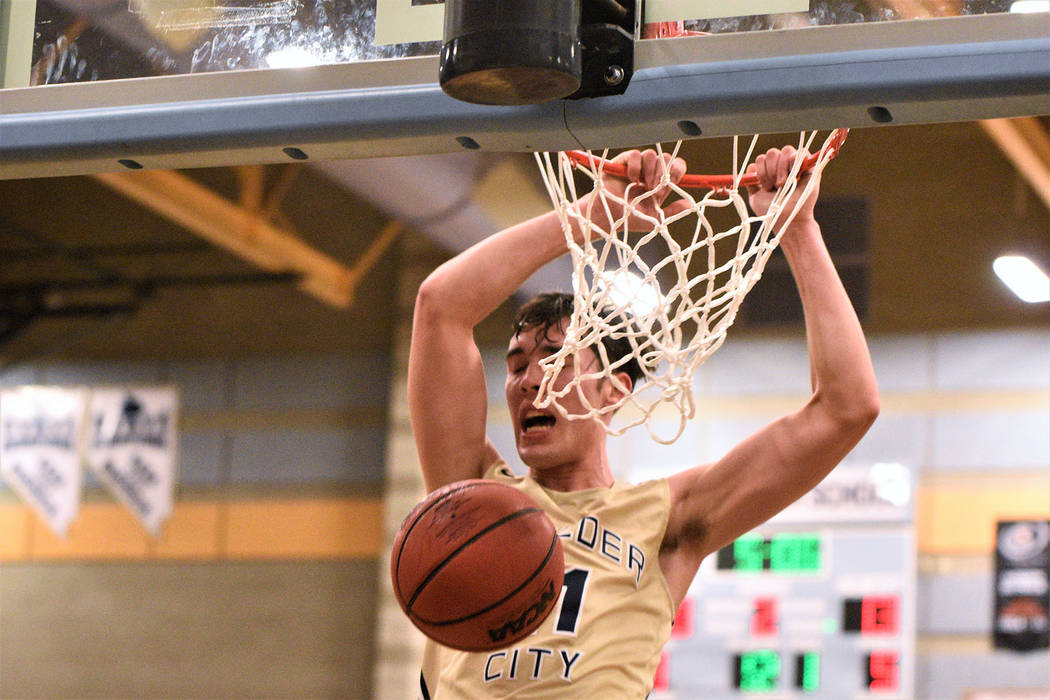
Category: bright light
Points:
column 631, row 291
column 892, row 482
column 1023, row 277
column 1030, row 6
column 291, row 57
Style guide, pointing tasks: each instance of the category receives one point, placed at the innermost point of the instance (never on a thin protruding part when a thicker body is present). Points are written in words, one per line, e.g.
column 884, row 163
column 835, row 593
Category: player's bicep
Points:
column 758, row 478
column 448, row 404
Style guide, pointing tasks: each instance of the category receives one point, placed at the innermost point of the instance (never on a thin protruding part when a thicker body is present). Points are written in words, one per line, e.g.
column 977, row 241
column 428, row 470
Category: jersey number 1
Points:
column 575, row 586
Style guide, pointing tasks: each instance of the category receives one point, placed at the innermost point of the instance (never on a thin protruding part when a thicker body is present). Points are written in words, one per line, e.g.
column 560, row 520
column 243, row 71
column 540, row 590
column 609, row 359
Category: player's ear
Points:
column 616, row 387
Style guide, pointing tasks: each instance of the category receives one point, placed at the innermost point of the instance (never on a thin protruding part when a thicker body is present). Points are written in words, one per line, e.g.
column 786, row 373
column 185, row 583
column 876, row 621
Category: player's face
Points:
column 543, row 436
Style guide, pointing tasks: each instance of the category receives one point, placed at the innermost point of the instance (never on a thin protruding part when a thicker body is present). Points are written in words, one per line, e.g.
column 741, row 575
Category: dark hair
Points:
column 548, row 309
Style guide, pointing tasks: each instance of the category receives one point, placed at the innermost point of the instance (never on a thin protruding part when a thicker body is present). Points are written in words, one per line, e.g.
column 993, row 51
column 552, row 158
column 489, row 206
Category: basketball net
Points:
column 672, row 298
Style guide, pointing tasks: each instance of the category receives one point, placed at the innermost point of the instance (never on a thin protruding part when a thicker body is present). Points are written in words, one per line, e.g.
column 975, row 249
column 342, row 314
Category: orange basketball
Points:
column 477, row 565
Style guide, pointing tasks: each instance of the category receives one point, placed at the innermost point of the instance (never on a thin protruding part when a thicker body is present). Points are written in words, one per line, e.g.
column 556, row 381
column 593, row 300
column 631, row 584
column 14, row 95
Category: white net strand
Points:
column 638, row 286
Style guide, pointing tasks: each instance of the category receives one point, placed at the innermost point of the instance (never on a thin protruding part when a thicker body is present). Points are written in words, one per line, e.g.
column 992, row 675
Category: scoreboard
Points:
column 817, row 603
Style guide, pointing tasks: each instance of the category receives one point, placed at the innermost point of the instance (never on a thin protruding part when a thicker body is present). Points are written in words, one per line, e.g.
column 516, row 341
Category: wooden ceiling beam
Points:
column 1026, row 144
column 1023, row 140
column 237, row 230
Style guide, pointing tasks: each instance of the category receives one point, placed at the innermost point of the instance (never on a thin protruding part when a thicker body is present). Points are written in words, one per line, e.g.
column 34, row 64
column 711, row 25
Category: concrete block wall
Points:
column 262, row 583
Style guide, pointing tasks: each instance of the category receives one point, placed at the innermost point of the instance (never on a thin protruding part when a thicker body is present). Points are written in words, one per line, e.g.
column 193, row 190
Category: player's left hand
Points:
column 772, row 169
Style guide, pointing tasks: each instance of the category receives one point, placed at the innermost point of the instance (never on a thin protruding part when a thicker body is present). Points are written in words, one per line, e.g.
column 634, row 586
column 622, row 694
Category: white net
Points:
column 669, row 292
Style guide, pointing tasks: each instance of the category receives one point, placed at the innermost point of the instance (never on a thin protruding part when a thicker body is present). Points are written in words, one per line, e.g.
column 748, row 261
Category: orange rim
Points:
column 710, row 182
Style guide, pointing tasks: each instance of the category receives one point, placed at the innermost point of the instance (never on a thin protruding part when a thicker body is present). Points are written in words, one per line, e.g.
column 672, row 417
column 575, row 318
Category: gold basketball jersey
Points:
column 604, row 637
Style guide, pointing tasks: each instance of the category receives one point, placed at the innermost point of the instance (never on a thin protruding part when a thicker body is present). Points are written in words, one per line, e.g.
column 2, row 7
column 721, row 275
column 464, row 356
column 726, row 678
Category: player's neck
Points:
column 575, row 476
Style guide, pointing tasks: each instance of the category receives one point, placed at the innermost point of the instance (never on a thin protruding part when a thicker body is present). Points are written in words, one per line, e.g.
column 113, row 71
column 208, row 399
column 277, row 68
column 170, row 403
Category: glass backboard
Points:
column 97, row 85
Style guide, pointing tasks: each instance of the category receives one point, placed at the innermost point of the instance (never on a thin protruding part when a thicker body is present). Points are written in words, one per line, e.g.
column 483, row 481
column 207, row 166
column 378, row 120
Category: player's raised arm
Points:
column 446, row 381
column 714, row 504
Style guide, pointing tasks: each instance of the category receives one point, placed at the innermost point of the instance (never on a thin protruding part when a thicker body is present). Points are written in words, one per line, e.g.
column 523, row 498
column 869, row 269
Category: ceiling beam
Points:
column 237, row 230
column 1025, row 142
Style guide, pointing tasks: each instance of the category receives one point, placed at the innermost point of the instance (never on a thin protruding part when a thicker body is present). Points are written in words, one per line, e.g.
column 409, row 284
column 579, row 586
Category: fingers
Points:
column 784, row 165
column 656, row 164
column 677, row 170
column 773, row 167
column 677, row 207
column 647, row 168
column 644, row 168
column 633, row 161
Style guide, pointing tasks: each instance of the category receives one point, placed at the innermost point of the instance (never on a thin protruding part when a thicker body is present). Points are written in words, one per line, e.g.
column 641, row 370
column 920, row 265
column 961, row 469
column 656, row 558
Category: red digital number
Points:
column 883, row 670
column 662, row 680
column 879, row 615
column 764, row 619
column 684, row 624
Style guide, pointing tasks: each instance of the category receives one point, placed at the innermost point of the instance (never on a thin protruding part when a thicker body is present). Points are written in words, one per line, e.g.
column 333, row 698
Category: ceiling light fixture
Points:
column 1023, row 277
column 630, row 290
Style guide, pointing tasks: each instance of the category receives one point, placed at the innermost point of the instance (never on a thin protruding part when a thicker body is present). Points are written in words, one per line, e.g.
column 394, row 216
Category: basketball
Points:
column 477, row 565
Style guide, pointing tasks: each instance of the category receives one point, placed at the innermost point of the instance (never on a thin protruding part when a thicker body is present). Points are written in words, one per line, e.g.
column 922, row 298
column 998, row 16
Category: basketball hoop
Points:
column 672, row 297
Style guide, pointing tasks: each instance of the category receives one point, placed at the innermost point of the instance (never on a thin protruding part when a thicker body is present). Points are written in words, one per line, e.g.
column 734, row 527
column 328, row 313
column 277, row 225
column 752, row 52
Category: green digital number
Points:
column 807, row 671
column 758, row 671
column 809, row 556
column 750, row 553
column 791, row 552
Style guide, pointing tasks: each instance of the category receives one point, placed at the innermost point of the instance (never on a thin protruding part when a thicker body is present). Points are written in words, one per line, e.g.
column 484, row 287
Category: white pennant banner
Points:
column 40, row 432
column 131, row 448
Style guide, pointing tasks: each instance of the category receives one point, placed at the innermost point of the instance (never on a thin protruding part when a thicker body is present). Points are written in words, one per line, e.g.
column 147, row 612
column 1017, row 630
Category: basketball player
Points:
column 630, row 551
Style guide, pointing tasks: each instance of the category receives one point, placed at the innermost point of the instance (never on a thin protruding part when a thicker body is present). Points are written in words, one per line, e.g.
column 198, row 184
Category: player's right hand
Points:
column 645, row 186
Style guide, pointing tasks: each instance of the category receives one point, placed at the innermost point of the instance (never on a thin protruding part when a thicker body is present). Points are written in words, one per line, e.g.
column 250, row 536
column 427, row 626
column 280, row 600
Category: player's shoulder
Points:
column 648, row 499
column 658, row 485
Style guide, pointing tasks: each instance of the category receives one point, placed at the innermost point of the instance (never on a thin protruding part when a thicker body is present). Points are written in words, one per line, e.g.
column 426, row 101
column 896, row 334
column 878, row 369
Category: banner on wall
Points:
column 1022, row 585
column 40, row 449
column 131, row 448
